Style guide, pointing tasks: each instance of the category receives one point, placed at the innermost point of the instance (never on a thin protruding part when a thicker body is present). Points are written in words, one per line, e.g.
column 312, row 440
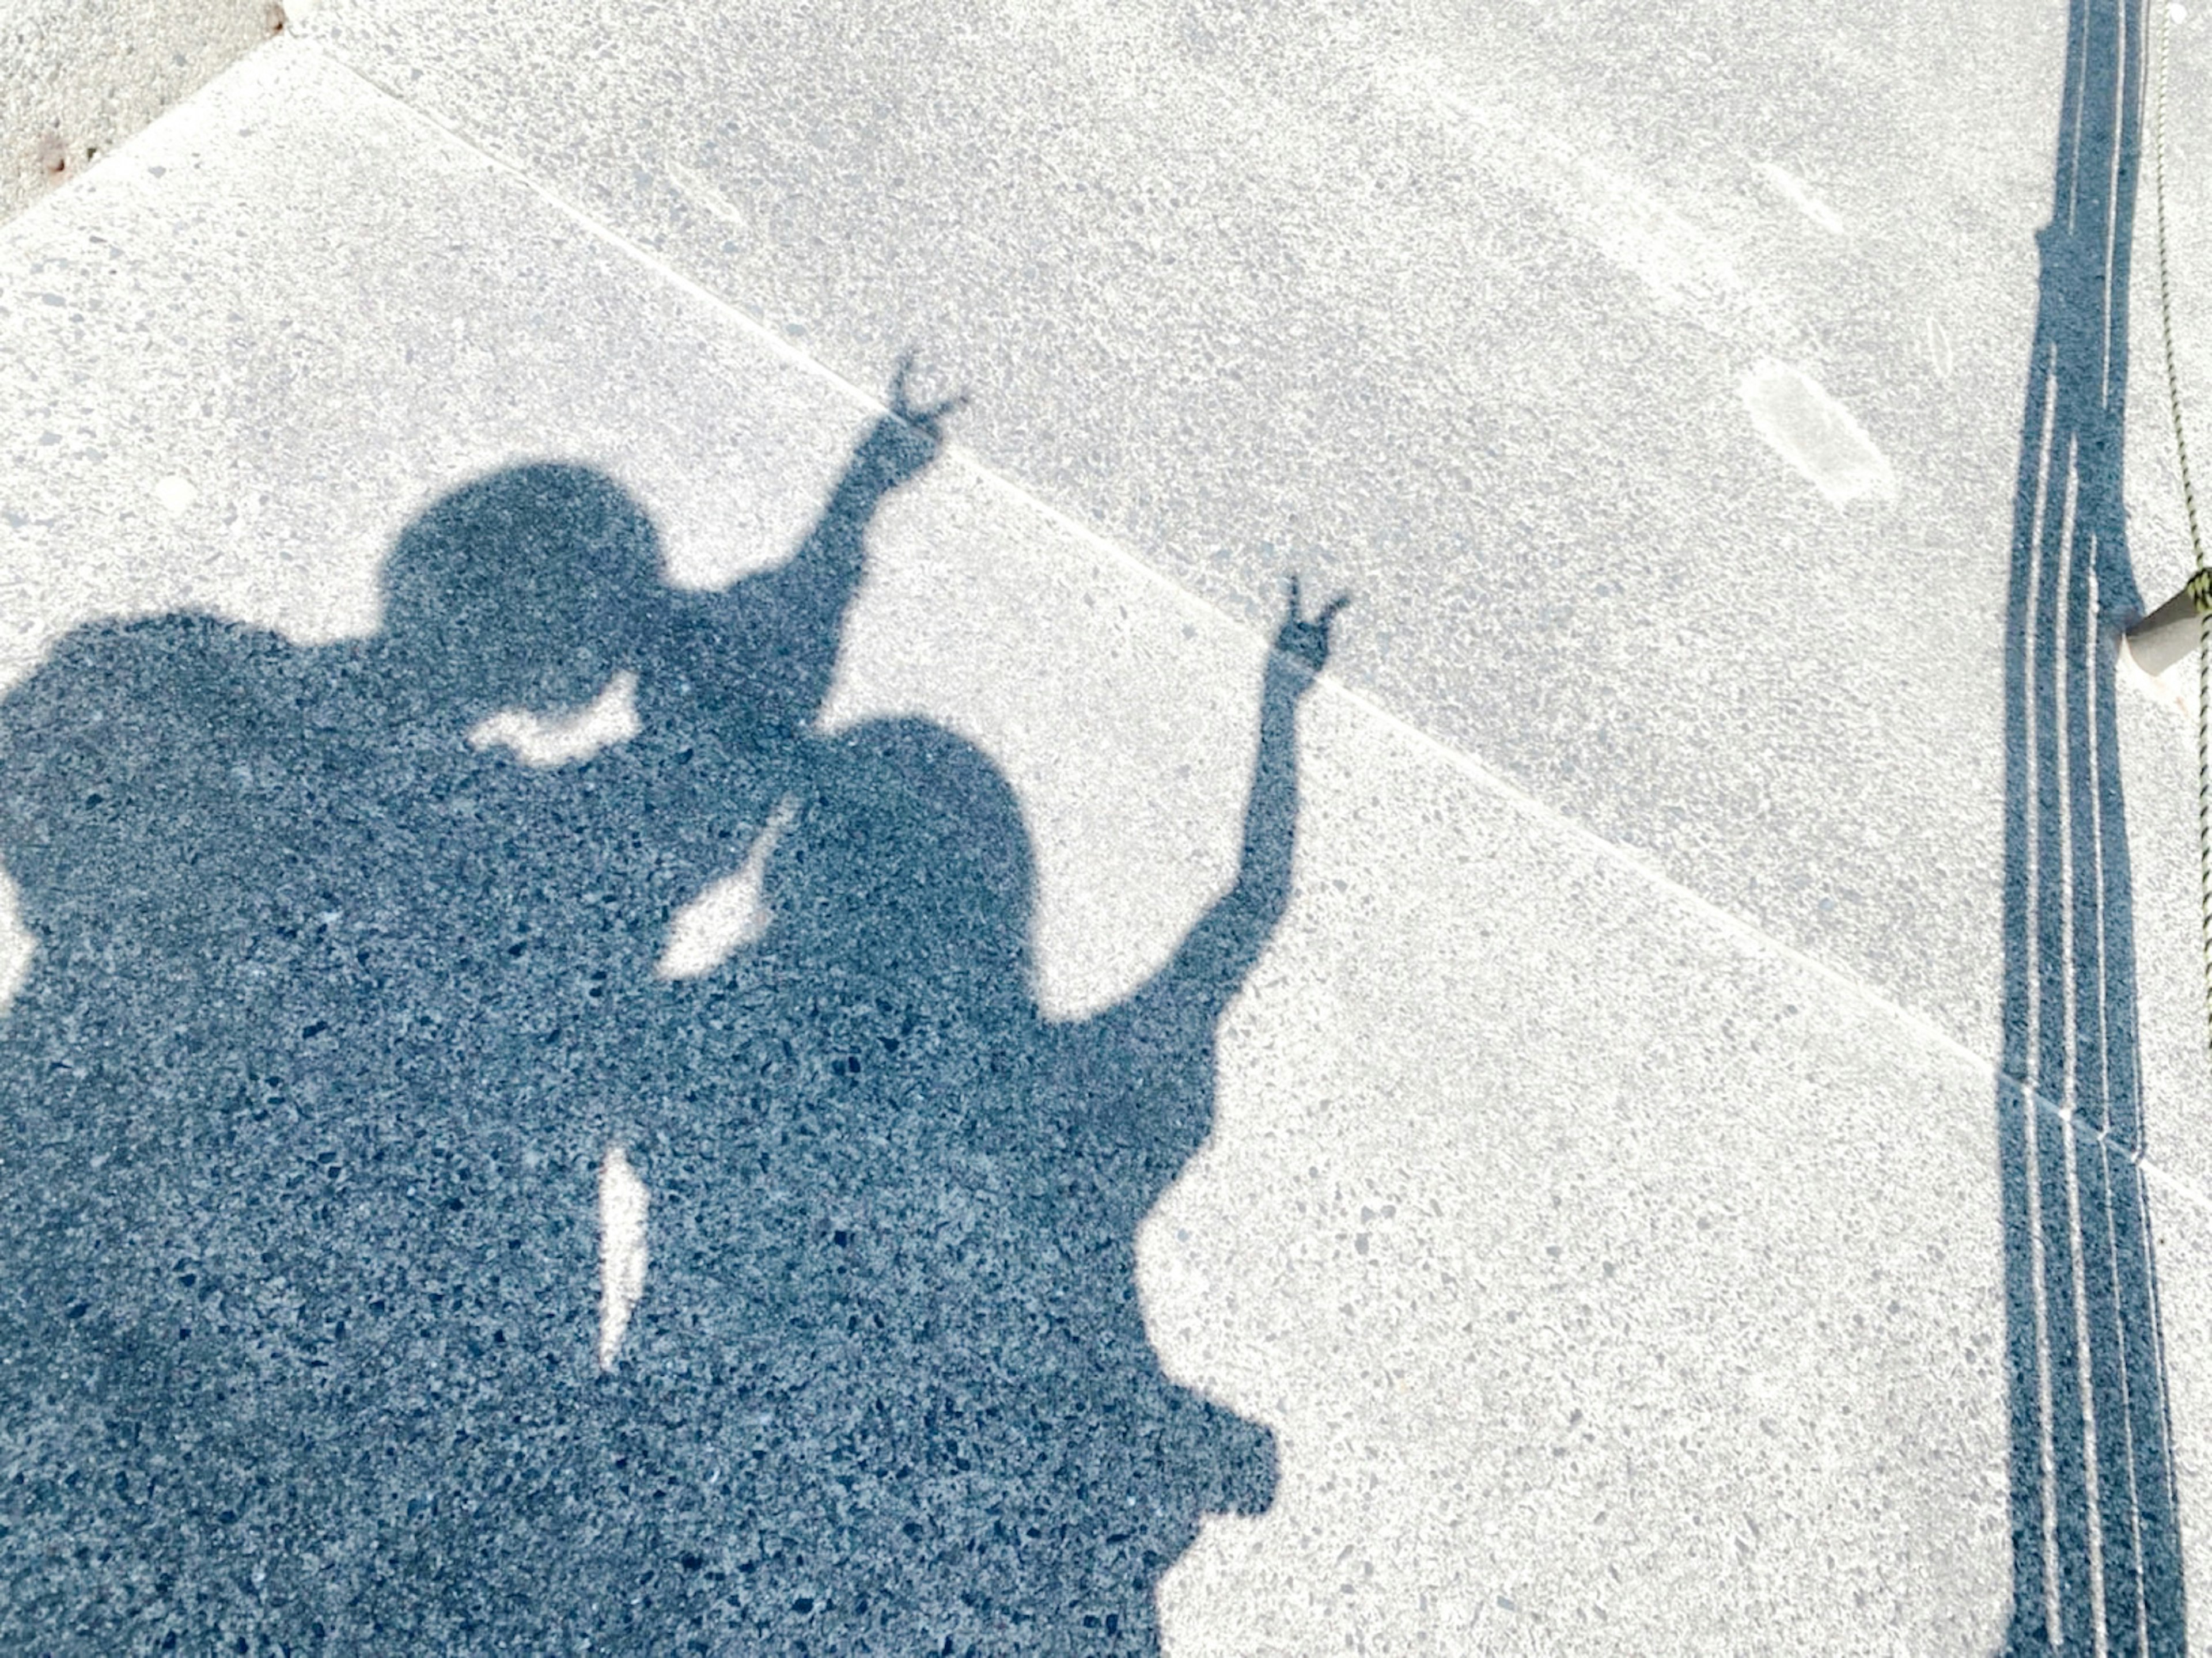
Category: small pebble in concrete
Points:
column 176, row 494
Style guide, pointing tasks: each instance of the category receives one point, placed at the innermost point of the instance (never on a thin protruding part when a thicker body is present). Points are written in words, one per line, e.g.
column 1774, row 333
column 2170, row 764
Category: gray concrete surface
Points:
column 1602, row 1210
column 75, row 80
column 1461, row 305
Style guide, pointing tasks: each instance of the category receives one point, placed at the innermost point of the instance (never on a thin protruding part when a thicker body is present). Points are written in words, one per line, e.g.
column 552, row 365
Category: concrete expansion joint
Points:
column 2083, row 1126
column 1745, row 934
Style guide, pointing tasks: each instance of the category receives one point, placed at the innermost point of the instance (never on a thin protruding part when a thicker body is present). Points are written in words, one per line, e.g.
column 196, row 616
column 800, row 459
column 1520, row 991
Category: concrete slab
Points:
column 77, row 80
column 1655, row 375
column 1605, row 1274
column 2183, row 1256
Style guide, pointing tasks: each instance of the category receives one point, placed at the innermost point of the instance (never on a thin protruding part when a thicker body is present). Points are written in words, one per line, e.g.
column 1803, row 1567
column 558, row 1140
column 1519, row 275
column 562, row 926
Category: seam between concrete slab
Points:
column 44, row 200
column 1743, row 933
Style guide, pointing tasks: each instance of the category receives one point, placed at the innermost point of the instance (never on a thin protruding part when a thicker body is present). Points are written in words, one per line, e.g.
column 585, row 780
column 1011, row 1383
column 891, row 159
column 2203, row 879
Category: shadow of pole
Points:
column 2095, row 1543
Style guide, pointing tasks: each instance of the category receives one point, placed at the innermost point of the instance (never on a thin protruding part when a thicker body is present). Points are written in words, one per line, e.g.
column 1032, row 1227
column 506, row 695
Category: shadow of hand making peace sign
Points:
column 898, row 1208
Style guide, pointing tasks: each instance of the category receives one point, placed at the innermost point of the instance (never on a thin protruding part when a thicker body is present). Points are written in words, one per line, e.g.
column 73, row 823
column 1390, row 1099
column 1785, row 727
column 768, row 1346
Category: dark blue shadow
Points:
column 334, row 1018
column 2094, row 1525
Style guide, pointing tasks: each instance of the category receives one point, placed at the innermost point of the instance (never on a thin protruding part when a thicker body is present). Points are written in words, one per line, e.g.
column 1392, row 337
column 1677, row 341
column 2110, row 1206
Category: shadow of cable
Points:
column 2095, row 1542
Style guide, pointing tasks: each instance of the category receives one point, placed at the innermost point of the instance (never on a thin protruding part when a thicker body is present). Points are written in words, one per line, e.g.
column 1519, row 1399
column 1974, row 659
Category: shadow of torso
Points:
column 332, row 1020
column 306, row 1101
column 901, row 1208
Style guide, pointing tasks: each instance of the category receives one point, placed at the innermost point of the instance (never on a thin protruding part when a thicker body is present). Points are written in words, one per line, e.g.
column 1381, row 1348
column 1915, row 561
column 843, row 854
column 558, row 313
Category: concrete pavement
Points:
column 1603, row 1209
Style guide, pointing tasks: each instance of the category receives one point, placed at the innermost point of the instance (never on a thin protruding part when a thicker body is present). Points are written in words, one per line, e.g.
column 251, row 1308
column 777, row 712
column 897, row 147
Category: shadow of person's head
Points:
column 958, row 1302
column 529, row 587
column 908, row 865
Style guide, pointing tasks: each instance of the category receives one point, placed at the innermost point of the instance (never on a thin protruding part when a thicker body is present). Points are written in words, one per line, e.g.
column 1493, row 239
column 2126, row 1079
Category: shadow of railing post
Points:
column 2094, row 1533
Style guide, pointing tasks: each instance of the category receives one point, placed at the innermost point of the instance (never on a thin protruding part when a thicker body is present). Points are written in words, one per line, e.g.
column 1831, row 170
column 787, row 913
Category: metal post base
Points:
column 2170, row 633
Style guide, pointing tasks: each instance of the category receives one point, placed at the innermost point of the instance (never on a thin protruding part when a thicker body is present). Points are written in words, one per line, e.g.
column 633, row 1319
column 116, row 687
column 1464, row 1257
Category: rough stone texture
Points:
column 1611, row 1250
column 77, row 79
column 1458, row 304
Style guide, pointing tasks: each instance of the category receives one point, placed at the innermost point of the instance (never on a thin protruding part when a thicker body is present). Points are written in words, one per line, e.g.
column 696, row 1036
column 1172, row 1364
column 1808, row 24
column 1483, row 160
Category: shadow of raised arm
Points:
column 766, row 651
column 1211, row 966
column 1158, row 1045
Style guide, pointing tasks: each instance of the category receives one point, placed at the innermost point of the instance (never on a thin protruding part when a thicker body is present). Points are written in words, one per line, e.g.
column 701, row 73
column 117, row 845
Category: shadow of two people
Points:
column 334, row 1015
